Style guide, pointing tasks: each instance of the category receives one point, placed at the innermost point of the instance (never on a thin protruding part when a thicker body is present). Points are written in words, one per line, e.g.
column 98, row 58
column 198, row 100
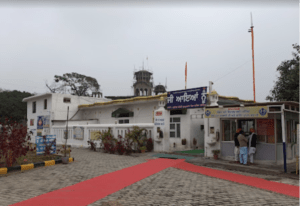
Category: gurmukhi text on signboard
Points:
column 189, row 98
column 158, row 121
column 237, row 112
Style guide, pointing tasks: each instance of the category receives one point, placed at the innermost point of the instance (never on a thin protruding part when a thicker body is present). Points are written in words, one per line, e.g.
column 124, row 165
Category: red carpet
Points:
column 94, row 189
column 285, row 189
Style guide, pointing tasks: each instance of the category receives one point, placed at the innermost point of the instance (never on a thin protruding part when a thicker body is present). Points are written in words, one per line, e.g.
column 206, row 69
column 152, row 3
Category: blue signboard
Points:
column 41, row 145
column 189, row 98
column 40, row 122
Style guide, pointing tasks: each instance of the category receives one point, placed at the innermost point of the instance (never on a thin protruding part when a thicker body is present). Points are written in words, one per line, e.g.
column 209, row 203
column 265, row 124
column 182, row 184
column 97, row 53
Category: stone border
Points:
column 5, row 170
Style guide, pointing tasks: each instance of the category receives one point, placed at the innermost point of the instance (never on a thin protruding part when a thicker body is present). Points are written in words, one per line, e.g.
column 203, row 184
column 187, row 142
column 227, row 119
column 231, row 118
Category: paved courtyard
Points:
column 168, row 187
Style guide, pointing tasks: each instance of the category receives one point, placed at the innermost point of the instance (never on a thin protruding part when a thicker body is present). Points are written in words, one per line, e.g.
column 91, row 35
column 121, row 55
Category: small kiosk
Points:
column 275, row 124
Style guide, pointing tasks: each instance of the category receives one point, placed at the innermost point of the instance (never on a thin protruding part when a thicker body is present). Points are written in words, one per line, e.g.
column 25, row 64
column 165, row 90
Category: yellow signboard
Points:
column 94, row 135
column 237, row 112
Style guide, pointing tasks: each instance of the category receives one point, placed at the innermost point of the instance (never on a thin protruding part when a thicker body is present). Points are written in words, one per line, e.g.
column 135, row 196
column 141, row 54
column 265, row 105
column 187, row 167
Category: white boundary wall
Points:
column 117, row 129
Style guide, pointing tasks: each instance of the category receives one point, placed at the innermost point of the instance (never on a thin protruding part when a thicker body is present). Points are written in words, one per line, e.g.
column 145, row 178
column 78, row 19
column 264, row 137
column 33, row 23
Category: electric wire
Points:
column 233, row 70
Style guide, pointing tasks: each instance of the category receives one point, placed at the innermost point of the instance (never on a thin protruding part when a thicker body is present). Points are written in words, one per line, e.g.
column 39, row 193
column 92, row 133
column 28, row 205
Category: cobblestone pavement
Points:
column 17, row 186
column 177, row 187
column 168, row 187
column 273, row 178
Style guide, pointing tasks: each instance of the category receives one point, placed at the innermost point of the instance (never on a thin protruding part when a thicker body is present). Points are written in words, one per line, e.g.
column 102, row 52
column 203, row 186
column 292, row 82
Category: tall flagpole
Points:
column 185, row 73
column 252, row 36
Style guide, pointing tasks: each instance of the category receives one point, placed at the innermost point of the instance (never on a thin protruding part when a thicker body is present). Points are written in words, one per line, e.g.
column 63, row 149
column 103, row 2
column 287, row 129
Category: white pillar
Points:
column 283, row 136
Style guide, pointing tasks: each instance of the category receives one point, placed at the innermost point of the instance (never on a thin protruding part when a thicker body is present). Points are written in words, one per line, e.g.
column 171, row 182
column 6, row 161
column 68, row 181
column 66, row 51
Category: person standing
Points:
column 252, row 145
column 243, row 147
column 237, row 146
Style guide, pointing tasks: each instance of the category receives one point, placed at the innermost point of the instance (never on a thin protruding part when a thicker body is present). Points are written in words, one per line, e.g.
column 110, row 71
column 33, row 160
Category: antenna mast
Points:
column 252, row 37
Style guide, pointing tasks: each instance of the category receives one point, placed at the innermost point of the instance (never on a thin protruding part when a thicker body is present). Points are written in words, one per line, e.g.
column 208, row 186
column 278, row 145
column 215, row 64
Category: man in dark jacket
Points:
column 237, row 145
column 252, row 145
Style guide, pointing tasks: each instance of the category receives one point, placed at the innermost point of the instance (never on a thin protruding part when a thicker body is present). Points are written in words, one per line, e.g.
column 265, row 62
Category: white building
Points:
column 149, row 112
column 54, row 106
column 144, row 111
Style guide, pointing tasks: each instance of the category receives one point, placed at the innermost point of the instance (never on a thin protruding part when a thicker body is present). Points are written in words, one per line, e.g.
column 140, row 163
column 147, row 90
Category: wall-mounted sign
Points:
column 190, row 98
column 31, row 122
column 40, row 122
column 159, row 121
column 159, row 113
column 46, row 121
column 39, row 132
column 78, row 133
column 46, row 131
column 265, row 127
column 41, row 145
column 65, row 134
column 237, row 112
column 94, row 135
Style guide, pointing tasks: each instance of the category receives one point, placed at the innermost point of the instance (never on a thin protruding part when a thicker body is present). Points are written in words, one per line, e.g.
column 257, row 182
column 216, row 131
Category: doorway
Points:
column 246, row 124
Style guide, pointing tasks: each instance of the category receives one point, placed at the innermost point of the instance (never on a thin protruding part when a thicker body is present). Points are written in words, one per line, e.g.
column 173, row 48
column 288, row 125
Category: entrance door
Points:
column 201, row 135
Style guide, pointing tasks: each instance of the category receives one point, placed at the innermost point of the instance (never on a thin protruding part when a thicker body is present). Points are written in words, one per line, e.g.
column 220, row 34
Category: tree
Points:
column 14, row 141
column 77, row 84
column 11, row 105
column 287, row 86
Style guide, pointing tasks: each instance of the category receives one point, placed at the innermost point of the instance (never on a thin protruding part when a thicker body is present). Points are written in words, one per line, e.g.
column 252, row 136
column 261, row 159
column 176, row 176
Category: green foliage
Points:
column 11, row 105
column 138, row 136
column 77, row 84
column 215, row 152
column 143, row 148
column 287, row 86
column 108, row 142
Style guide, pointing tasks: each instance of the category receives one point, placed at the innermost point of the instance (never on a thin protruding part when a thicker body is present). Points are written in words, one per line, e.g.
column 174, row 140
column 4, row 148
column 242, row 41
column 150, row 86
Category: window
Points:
column 228, row 130
column 175, row 127
column 67, row 100
column 33, row 107
column 178, row 111
column 245, row 125
column 122, row 112
column 45, row 104
column 124, row 121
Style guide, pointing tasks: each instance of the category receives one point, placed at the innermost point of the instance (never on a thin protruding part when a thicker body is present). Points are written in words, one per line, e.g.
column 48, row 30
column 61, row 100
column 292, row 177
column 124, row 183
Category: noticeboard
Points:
column 265, row 127
column 41, row 145
column 78, row 133
column 237, row 112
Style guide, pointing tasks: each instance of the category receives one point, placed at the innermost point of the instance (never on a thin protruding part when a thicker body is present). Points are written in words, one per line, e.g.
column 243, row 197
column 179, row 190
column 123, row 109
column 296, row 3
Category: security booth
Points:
column 275, row 125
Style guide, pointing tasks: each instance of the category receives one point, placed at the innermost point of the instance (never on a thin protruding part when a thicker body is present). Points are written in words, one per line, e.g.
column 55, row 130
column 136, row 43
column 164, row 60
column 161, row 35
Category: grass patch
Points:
column 196, row 151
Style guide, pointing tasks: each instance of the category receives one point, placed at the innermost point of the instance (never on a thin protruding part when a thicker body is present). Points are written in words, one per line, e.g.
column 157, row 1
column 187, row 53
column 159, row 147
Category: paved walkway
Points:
column 169, row 187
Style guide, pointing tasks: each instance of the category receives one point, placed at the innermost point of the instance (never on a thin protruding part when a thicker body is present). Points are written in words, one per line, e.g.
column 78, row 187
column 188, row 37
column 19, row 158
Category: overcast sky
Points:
column 106, row 41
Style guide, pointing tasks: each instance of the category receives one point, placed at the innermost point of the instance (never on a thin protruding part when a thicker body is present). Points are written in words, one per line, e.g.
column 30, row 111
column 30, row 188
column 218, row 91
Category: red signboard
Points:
column 158, row 113
column 265, row 127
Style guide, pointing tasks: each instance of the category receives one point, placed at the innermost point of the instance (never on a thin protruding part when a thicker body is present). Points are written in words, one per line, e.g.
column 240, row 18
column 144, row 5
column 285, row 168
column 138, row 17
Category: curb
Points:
column 5, row 170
